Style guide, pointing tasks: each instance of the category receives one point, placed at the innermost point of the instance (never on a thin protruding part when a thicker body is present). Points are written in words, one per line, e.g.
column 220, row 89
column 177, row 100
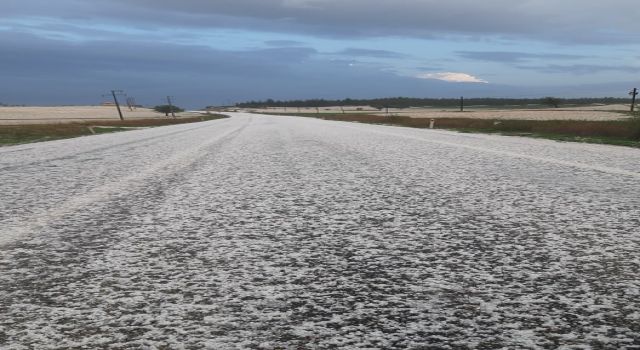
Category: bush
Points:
column 552, row 101
column 166, row 109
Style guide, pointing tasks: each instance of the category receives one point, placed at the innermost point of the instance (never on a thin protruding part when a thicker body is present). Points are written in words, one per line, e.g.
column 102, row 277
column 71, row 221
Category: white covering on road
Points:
column 278, row 232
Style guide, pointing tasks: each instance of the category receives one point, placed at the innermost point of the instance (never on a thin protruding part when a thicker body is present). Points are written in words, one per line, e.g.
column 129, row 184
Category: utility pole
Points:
column 131, row 103
column 115, row 100
column 173, row 114
column 461, row 103
column 633, row 94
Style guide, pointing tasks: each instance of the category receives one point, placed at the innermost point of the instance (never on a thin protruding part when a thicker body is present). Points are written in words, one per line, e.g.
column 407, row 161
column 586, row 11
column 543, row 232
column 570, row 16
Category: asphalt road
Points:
column 263, row 232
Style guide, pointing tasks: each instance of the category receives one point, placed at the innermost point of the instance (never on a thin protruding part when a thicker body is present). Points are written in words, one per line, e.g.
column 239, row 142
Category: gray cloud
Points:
column 513, row 57
column 580, row 69
column 39, row 56
column 48, row 71
column 39, row 69
column 429, row 68
column 283, row 43
column 356, row 52
column 82, row 48
column 569, row 21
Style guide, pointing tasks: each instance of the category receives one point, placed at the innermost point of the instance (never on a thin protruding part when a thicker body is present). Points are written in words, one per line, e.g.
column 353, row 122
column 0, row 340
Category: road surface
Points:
column 265, row 232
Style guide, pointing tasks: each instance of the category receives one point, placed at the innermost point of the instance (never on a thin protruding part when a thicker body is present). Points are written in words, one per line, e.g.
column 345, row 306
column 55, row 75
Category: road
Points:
column 266, row 232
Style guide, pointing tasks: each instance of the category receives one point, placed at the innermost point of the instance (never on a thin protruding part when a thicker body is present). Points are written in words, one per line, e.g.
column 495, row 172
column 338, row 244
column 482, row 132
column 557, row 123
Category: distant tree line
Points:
column 8, row 105
column 406, row 102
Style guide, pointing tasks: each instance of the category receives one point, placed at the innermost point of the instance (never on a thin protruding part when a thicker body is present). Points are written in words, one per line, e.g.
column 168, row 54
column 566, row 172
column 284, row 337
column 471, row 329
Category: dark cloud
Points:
column 514, row 57
column 284, row 43
column 580, row 69
column 35, row 68
column 356, row 52
column 429, row 68
column 82, row 48
column 39, row 56
column 47, row 71
column 569, row 21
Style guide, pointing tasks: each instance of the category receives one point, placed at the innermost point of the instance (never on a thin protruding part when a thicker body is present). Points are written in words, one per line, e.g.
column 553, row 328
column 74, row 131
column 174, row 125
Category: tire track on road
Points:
column 99, row 149
column 105, row 193
column 604, row 169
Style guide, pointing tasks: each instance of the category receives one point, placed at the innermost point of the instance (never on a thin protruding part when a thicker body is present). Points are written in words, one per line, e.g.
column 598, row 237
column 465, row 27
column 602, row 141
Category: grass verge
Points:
column 18, row 134
column 614, row 132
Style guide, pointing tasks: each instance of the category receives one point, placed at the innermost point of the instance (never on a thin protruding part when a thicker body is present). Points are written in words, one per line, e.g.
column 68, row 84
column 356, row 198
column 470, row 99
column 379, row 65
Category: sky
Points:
column 218, row 52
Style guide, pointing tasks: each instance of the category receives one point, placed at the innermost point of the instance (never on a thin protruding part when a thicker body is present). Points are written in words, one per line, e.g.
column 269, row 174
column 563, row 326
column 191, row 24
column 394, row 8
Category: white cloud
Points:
column 452, row 77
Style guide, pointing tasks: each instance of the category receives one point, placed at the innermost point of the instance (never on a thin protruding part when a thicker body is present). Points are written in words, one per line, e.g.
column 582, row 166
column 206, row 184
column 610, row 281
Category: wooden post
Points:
column 115, row 99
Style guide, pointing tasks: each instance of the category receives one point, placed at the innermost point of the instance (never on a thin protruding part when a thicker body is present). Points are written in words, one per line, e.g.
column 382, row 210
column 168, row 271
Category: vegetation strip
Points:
column 616, row 132
column 18, row 134
column 409, row 102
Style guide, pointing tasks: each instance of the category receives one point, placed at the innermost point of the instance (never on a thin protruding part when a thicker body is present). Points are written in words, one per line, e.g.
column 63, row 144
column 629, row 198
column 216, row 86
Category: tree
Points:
column 551, row 101
column 166, row 109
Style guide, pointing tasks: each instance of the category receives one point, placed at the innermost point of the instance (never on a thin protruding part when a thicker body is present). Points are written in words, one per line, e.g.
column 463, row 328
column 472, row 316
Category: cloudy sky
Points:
column 210, row 52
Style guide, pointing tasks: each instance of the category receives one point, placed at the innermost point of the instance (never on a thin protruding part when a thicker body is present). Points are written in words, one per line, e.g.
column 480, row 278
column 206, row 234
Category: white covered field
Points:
column 65, row 114
column 605, row 112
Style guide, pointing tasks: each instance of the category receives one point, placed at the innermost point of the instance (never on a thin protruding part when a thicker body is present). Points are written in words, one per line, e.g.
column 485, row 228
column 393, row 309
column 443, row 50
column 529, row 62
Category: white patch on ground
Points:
column 70, row 114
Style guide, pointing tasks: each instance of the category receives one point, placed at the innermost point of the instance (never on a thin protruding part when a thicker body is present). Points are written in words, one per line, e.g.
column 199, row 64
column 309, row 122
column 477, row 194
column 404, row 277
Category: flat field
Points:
column 69, row 114
column 599, row 112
